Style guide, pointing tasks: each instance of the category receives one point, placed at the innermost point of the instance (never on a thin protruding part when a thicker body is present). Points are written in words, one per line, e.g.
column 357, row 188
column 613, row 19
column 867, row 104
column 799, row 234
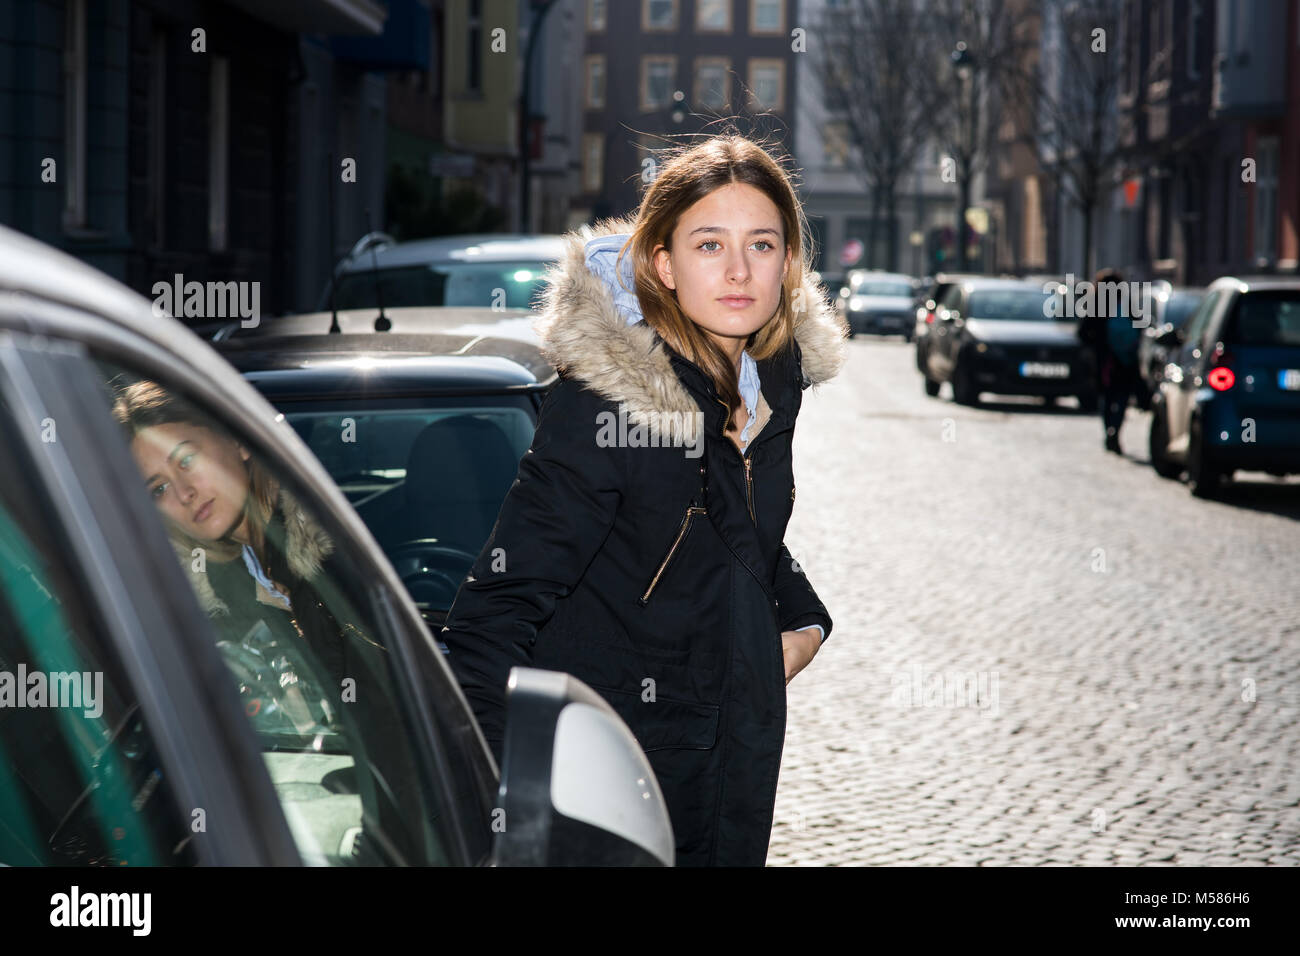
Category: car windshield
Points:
column 1180, row 307
column 1268, row 319
column 884, row 288
column 1024, row 305
column 498, row 285
column 427, row 478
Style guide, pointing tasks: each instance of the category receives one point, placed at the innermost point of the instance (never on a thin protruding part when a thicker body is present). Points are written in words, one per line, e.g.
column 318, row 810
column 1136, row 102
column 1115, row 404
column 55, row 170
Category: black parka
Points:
column 657, row 575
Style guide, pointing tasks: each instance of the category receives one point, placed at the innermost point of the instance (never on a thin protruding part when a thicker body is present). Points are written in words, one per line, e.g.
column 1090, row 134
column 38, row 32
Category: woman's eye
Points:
column 764, row 242
column 157, row 491
column 185, row 462
column 708, row 242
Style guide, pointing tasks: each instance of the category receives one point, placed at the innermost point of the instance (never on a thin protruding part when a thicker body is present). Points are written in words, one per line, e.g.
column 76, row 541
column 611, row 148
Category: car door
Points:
column 398, row 771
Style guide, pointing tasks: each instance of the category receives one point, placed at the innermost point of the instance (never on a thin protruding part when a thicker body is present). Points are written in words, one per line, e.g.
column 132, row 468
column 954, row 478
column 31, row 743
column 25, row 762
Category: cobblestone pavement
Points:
column 1043, row 653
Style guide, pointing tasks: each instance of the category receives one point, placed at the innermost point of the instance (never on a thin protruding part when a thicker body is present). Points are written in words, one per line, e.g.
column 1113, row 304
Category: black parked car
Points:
column 1001, row 335
column 1231, row 396
column 194, row 742
column 422, row 426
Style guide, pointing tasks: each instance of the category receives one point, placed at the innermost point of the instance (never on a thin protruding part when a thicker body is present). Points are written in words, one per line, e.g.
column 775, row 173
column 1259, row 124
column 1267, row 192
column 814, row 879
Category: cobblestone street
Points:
column 1134, row 651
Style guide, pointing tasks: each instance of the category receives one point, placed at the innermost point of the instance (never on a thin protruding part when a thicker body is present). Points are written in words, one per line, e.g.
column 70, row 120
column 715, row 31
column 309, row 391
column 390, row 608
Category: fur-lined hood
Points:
column 581, row 328
column 306, row 542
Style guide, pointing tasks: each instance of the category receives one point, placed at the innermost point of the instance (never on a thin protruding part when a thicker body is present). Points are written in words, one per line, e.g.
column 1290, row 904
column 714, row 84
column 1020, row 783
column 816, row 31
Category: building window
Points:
column 218, row 151
column 835, row 144
column 1266, row 198
column 595, row 85
column 596, row 14
column 767, row 83
column 74, row 116
column 657, row 76
column 713, row 16
column 766, row 16
column 713, row 82
column 658, row 14
column 474, row 45
column 593, row 162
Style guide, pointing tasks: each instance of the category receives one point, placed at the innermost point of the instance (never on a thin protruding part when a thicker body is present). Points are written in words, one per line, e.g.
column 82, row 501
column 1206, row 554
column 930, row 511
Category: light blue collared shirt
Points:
column 602, row 262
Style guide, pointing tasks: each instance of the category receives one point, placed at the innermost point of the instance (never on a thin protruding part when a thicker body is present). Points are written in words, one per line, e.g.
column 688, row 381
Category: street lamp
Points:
column 963, row 63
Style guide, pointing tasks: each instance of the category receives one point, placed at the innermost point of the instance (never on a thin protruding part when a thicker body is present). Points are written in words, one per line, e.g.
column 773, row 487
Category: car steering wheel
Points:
column 432, row 572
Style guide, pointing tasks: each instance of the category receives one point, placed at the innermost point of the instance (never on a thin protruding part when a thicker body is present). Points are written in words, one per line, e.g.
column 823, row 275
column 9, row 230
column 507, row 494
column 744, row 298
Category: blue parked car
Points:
column 1230, row 398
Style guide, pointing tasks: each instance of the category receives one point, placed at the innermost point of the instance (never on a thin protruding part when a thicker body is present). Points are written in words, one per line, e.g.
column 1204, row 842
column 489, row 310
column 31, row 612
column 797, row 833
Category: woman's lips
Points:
column 203, row 513
column 736, row 302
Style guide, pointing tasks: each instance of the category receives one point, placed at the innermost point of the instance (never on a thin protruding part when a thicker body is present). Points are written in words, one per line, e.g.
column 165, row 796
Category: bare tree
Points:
column 873, row 63
column 987, row 47
column 1066, row 104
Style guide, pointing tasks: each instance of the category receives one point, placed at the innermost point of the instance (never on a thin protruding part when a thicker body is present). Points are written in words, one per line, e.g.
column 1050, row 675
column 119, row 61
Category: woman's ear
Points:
column 664, row 266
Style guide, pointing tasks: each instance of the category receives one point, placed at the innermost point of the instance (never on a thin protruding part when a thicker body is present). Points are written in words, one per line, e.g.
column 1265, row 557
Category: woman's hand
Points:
column 799, row 648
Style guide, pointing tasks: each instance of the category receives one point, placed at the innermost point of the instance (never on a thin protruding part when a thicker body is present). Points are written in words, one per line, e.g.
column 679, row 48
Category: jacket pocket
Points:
column 673, row 550
column 664, row 724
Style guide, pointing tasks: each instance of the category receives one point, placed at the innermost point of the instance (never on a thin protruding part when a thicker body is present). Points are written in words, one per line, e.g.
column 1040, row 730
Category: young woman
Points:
column 641, row 546
column 251, row 552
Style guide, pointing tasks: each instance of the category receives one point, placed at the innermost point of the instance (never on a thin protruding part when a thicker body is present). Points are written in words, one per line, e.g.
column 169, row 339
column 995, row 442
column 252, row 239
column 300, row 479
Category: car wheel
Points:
column 931, row 387
column 964, row 389
column 1204, row 478
column 1157, row 442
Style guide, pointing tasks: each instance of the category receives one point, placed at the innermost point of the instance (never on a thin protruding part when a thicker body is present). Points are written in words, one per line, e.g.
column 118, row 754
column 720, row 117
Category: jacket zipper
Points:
column 681, row 534
column 744, row 457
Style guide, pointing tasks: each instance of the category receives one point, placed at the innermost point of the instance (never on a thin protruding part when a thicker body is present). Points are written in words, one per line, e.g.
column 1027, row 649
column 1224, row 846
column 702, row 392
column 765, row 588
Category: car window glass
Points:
column 427, row 477
column 1267, row 319
column 1196, row 325
column 304, row 647
column 81, row 782
column 1025, row 305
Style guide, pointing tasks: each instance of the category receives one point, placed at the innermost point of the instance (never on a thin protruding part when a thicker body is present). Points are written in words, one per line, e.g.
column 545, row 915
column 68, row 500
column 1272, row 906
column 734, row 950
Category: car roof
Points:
column 479, row 247
column 1257, row 283
column 440, row 348
column 975, row 283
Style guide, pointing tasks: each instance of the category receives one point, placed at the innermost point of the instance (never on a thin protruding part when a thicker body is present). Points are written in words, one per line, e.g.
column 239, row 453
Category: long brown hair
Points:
column 686, row 175
column 145, row 404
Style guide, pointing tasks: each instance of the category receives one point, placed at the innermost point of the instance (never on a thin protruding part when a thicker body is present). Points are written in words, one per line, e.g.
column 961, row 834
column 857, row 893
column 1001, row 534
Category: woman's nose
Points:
column 738, row 268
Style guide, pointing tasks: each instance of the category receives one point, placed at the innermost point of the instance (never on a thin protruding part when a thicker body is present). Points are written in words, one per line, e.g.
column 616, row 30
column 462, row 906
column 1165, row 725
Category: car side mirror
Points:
column 576, row 788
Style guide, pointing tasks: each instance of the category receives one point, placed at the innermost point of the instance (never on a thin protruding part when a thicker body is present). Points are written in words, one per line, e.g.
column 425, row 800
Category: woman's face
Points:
column 728, row 261
column 196, row 477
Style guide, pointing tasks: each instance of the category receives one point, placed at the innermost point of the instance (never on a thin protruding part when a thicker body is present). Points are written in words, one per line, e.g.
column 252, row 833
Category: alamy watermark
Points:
column 652, row 430
column 1078, row 299
column 75, row 689
column 947, row 689
column 210, row 300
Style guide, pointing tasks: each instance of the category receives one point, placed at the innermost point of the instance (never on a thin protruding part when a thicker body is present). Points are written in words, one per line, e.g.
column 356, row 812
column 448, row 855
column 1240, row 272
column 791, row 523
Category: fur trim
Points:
column 305, row 540
column 580, row 328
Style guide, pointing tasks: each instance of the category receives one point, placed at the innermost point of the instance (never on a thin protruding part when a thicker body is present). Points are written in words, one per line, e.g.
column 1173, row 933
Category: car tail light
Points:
column 1220, row 377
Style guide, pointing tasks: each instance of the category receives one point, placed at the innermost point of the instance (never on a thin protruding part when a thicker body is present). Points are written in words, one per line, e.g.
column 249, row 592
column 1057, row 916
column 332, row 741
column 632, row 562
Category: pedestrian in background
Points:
column 659, row 575
column 1112, row 342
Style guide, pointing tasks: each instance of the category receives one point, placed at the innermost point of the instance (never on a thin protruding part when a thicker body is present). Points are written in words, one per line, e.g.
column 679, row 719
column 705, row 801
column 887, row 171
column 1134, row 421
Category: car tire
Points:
column 964, row 389
column 1157, row 442
column 1204, row 478
column 931, row 387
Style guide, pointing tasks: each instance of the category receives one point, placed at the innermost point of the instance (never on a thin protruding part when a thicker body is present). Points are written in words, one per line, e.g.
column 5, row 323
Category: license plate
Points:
column 1045, row 369
column 1289, row 379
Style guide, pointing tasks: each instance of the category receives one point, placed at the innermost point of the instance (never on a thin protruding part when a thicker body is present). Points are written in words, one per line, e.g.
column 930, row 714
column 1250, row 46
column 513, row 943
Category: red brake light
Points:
column 929, row 318
column 1220, row 378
